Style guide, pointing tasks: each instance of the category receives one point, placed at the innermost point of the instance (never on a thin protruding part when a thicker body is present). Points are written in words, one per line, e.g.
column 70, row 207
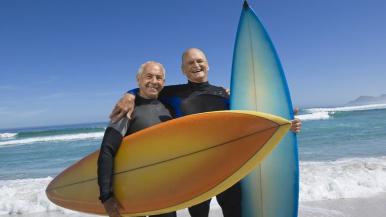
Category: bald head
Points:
column 190, row 50
column 195, row 65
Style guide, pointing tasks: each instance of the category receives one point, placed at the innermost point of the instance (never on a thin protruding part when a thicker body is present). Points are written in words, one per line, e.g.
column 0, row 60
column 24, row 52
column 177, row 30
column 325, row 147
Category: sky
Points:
column 69, row 61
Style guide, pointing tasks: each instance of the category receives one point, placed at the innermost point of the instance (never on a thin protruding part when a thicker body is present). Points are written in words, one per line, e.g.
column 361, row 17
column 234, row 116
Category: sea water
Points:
column 342, row 153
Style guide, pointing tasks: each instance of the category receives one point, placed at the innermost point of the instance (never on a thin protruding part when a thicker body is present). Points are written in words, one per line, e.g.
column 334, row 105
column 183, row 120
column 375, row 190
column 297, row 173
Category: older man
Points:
column 148, row 111
column 194, row 97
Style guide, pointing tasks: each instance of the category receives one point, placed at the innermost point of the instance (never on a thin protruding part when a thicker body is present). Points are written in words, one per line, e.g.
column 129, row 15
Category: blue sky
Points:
column 65, row 62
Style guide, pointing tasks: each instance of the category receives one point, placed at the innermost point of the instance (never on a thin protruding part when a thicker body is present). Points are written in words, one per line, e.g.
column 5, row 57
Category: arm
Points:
column 110, row 145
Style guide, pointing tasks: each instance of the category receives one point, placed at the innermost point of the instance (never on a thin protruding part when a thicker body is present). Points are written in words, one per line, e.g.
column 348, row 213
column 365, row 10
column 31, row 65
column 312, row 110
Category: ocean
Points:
column 342, row 153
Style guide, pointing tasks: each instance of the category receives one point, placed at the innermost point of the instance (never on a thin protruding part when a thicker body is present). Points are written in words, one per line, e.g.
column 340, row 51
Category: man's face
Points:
column 151, row 81
column 195, row 66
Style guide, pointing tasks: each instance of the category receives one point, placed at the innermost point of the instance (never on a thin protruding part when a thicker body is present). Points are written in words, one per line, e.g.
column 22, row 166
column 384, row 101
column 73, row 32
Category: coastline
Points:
column 350, row 207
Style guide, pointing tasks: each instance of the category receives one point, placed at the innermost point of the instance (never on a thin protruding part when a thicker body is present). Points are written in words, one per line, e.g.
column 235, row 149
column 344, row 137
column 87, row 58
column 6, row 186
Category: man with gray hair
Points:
column 148, row 112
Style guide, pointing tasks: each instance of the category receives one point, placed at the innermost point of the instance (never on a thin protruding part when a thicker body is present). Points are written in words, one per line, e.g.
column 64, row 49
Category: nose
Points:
column 195, row 64
column 154, row 80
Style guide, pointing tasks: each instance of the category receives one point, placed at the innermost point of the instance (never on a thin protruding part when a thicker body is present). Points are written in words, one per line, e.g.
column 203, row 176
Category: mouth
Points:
column 153, row 88
column 197, row 71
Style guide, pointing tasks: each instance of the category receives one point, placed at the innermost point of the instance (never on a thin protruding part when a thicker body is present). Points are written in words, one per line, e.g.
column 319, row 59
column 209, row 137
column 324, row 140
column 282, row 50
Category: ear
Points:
column 137, row 79
column 182, row 70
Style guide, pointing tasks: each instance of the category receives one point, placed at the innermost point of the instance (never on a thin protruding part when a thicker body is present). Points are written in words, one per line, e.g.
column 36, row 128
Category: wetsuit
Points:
column 148, row 112
column 194, row 98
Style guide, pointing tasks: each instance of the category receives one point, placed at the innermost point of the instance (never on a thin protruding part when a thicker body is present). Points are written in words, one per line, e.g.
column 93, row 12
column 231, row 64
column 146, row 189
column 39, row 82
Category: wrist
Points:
column 104, row 197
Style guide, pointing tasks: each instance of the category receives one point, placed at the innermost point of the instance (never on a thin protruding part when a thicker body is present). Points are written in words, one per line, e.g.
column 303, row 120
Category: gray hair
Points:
column 142, row 67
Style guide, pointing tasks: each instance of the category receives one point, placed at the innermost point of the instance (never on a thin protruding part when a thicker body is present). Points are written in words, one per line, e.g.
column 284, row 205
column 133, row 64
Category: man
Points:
column 194, row 97
column 148, row 111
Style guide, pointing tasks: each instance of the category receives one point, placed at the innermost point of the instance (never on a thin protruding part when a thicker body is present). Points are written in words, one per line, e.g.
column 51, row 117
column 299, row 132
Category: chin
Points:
column 153, row 96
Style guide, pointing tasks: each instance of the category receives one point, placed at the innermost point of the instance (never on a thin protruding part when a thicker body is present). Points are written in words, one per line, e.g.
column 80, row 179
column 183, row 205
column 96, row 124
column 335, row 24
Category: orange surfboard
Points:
column 175, row 164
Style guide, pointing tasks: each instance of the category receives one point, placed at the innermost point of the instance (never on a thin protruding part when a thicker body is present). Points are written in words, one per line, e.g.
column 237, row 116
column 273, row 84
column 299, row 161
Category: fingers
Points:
column 112, row 207
column 119, row 111
column 296, row 125
column 114, row 113
column 117, row 115
column 125, row 106
column 228, row 91
column 120, row 206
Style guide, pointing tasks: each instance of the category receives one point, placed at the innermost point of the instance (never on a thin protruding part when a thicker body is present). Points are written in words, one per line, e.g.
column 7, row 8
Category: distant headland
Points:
column 366, row 100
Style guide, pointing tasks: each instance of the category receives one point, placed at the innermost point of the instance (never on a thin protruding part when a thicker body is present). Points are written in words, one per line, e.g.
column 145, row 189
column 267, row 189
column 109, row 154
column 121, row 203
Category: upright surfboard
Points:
column 258, row 83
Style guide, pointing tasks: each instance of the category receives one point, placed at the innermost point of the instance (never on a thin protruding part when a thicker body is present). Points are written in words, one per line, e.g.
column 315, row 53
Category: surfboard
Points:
column 175, row 164
column 258, row 83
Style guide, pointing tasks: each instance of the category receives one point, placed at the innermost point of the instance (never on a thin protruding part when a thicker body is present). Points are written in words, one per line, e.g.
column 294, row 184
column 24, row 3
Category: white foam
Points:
column 59, row 138
column 7, row 135
column 25, row 196
column 348, row 108
column 350, row 178
column 314, row 116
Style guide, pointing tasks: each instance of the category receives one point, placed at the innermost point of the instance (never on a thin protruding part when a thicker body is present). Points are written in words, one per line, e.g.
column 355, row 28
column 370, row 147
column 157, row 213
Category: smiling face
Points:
column 151, row 80
column 195, row 65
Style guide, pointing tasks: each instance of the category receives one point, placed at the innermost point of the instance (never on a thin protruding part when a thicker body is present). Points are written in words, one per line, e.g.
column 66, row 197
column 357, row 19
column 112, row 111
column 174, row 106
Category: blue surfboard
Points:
column 258, row 83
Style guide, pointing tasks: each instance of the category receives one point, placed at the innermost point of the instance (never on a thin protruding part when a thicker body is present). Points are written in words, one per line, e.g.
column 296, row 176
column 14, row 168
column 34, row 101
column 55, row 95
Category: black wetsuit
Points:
column 194, row 98
column 148, row 112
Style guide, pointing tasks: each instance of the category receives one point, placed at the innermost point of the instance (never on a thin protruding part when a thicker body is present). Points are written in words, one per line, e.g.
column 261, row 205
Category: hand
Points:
column 228, row 91
column 125, row 106
column 296, row 124
column 112, row 207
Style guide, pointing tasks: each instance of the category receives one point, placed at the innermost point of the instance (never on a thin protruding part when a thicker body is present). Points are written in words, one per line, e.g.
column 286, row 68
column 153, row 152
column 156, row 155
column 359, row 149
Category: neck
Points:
column 146, row 97
column 198, row 82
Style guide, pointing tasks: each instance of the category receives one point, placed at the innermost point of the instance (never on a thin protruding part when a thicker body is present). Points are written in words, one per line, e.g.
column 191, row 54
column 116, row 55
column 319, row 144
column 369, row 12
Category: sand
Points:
column 356, row 207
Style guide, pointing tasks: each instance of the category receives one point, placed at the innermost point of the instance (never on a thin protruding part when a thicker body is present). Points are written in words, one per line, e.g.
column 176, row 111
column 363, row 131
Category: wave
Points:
column 27, row 196
column 59, row 138
column 349, row 178
column 314, row 116
column 327, row 113
column 348, row 108
column 7, row 135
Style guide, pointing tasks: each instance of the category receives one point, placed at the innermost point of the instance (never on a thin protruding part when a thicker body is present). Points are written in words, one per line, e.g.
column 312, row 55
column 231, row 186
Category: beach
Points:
column 342, row 153
column 360, row 207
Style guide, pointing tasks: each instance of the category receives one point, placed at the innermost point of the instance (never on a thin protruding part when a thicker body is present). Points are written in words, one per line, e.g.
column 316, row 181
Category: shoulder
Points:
column 171, row 90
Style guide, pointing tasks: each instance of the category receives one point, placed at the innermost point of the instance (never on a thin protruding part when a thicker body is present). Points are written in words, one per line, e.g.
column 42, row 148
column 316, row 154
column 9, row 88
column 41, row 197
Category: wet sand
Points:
column 358, row 207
